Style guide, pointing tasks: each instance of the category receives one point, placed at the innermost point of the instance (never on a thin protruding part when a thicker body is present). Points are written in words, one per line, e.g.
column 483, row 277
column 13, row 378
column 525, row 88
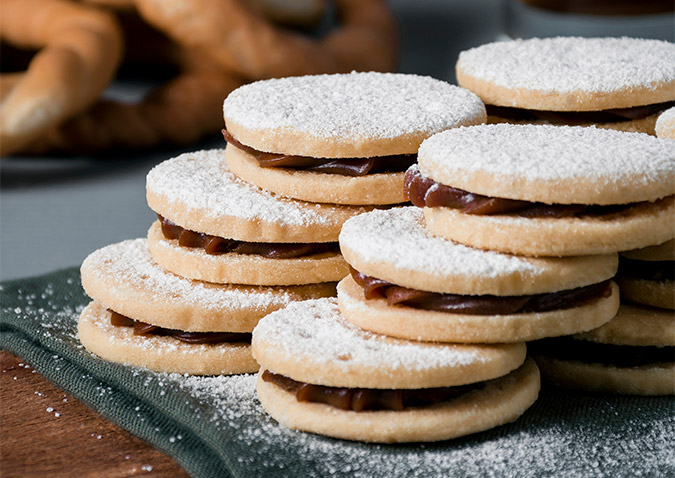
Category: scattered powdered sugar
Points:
column 543, row 152
column 540, row 443
column 316, row 329
column 201, row 181
column 563, row 434
column 399, row 238
column 362, row 105
column 568, row 64
column 129, row 264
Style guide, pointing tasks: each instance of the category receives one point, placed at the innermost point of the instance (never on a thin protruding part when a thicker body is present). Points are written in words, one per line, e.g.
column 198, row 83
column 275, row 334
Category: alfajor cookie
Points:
column 665, row 124
column 144, row 316
column 322, row 374
column 408, row 283
column 215, row 227
column 540, row 190
column 647, row 276
column 615, row 83
column 343, row 139
column 634, row 354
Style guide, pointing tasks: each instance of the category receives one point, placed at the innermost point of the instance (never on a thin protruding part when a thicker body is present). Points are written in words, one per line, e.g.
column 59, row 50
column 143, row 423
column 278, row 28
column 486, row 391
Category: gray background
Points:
column 55, row 211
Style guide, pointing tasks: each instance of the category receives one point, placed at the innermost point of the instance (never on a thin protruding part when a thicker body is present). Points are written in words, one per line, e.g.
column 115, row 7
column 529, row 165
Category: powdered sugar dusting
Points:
column 551, row 153
column 129, row 264
column 399, row 238
column 568, row 64
column 564, row 433
column 201, row 181
column 362, row 105
column 317, row 330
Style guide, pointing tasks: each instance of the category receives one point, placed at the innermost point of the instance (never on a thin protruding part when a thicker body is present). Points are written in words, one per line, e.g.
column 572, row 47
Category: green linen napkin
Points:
column 215, row 427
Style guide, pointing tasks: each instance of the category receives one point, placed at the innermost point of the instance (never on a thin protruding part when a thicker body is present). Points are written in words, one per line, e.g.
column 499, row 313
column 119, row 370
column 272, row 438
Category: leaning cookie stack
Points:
column 545, row 191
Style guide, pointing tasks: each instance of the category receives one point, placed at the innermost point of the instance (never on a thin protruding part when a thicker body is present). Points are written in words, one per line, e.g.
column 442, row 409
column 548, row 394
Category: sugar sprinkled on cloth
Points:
column 361, row 105
column 564, row 433
column 317, row 330
column 202, row 182
column 550, row 153
column 569, row 64
column 129, row 263
column 398, row 237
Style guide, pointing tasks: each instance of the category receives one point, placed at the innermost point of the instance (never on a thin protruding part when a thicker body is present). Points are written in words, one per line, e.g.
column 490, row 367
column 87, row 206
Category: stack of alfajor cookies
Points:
column 562, row 195
column 222, row 255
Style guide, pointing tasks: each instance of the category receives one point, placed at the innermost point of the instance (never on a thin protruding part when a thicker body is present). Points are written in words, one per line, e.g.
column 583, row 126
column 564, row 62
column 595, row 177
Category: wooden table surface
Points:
column 48, row 433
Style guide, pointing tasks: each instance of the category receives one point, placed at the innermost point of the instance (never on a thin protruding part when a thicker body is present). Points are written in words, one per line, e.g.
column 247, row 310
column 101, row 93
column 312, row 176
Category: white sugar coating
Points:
column 568, row 64
column 129, row 263
column 201, row 181
column 399, row 237
column 316, row 331
column 550, row 153
column 363, row 105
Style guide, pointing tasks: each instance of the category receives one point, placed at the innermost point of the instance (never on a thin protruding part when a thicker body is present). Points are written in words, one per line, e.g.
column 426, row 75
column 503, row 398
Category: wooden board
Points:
column 46, row 432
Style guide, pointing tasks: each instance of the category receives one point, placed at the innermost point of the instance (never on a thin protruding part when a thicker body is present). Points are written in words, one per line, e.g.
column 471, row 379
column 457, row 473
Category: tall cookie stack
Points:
column 597, row 192
column 222, row 255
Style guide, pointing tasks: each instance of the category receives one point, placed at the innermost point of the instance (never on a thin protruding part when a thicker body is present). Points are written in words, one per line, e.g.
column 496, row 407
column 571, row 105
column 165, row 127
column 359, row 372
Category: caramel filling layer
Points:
column 479, row 304
column 423, row 191
column 342, row 166
column 219, row 245
column 659, row 271
column 567, row 348
column 365, row 399
column 578, row 117
column 141, row 328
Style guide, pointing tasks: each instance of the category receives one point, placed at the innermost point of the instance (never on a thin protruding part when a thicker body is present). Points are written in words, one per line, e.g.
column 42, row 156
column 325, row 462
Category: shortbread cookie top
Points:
column 123, row 277
column 198, row 192
column 347, row 115
column 394, row 245
column 552, row 164
column 312, row 342
column 637, row 326
column 665, row 124
column 570, row 73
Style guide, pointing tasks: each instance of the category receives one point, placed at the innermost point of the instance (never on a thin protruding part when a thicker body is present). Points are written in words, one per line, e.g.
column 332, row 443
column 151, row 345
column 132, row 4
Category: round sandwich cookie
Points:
column 539, row 190
column 343, row 139
column 407, row 283
column 614, row 83
column 647, row 276
column 216, row 228
column 634, row 354
column 665, row 124
column 144, row 316
column 321, row 374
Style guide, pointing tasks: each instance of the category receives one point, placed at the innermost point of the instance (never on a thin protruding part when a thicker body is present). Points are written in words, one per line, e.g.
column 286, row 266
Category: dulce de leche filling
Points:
column 479, row 304
column 567, row 348
column 219, row 245
column 579, row 117
column 364, row 399
column 423, row 191
column 342, row 166
column 659, row 271
column 141, row 328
